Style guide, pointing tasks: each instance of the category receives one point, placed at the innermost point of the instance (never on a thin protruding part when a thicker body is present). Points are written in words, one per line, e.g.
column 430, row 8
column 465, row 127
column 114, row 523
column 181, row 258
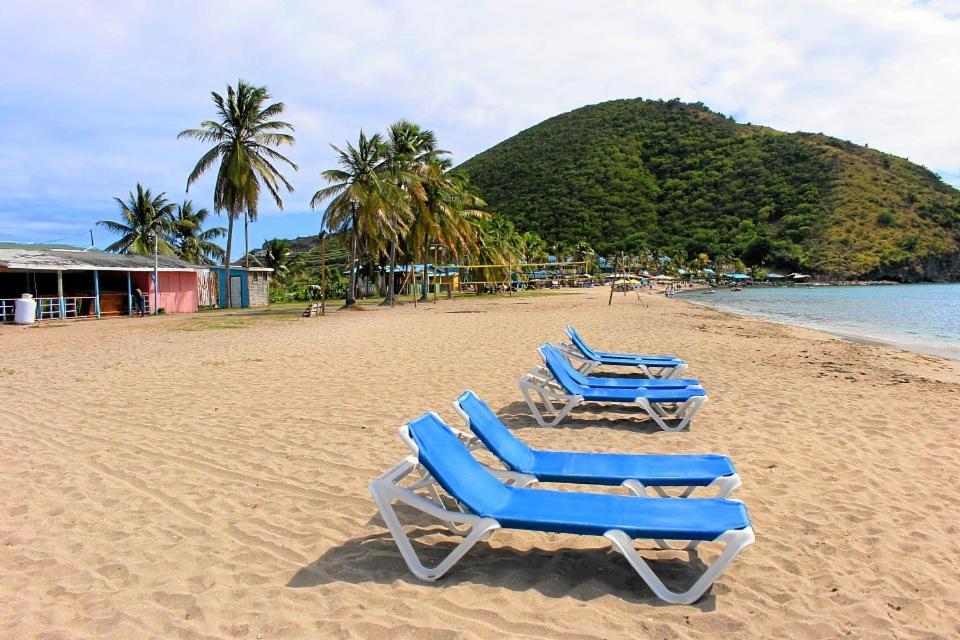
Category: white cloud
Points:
column 94, row 93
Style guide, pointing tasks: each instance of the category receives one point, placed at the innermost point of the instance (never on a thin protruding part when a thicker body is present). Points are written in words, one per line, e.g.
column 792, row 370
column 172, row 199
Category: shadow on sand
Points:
column 584, row 574
column 516, row 415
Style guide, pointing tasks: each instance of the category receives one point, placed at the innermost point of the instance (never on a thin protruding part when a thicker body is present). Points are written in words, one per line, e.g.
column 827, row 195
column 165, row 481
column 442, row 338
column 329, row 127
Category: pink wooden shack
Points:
column 178, row 290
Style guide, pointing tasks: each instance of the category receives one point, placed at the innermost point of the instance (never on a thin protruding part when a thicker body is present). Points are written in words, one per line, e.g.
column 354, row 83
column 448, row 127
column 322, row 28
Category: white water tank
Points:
column 25, row 309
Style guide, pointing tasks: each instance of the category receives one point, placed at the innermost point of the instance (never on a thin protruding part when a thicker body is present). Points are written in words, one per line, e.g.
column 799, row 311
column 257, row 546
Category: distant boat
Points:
column 708, row 291
column 736, row 288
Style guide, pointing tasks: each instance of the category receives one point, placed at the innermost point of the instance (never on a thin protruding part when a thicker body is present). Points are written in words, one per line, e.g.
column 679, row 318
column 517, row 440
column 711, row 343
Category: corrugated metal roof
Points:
column 34, row 257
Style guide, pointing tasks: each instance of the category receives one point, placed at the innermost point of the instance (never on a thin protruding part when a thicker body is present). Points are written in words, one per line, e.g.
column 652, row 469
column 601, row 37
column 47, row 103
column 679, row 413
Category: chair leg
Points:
column 672, row 372
column 684, row 413
column 480, row 528
column 551, row 402
column 734, row 542
column 726, row 485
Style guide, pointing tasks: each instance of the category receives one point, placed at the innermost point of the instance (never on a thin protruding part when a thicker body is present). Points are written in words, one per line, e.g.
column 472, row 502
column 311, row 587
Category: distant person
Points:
column 140, row 302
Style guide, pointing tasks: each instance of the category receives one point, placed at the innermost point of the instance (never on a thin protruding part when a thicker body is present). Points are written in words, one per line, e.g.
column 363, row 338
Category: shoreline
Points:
column 919, row 347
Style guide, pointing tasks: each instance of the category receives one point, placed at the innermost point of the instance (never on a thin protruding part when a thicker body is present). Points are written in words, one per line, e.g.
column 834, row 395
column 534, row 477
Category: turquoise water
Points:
column 924, row 318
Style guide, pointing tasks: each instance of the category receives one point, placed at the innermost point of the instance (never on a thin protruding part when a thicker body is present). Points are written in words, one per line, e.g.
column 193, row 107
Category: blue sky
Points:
column 94, row 93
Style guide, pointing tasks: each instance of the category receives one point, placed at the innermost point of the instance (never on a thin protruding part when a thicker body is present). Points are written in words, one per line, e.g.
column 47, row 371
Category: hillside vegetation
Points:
column 669, row 177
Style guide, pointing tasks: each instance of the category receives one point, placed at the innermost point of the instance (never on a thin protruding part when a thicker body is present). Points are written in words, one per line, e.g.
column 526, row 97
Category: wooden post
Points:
column 96, row 292
column 63, row 303
column 436, row 248
column 323, row 272
column 414, row 273
column 156, row 277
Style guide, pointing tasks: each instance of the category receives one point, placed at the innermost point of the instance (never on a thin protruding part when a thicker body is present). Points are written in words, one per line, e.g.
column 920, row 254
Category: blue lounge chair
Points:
column 560, row 394
column 635, row 472
column 588, row 359
column 611, row 382
column 484, row 503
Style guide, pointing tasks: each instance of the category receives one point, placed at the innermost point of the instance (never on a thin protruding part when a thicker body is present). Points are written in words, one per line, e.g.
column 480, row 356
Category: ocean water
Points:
column 924, row 318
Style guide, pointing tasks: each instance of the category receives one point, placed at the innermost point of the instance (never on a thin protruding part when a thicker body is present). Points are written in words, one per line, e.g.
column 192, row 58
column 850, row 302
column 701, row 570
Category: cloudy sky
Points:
column 92, row 94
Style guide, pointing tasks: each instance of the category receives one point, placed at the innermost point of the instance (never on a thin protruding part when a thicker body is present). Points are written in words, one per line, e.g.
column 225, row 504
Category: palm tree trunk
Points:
column 352, row 289
column 226, row 261
column 426, row 258
column 391, row 283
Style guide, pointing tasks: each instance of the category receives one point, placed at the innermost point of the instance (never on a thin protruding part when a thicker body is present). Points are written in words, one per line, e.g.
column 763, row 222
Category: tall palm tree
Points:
column 409, row 149
column 446, row 214
column 143, row 218
column 500, row 244
column 362, row 193
column 194, row 243
column 245, row 135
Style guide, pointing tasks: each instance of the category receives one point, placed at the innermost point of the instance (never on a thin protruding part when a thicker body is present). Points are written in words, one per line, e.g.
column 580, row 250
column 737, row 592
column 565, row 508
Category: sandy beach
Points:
column 206, row 476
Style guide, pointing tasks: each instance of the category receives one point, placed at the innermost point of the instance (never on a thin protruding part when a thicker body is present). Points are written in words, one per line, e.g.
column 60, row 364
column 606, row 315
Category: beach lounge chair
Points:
column 635, row 472
column 560, row 394
column 614, row 382
column 587, row 359
column 484, row 504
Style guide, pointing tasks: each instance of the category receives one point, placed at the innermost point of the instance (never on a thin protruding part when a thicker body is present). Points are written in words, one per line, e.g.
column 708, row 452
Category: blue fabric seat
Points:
column 590, row 468
column 564, row 374
column 624, row 359
column 607, row 382
column 461, row 476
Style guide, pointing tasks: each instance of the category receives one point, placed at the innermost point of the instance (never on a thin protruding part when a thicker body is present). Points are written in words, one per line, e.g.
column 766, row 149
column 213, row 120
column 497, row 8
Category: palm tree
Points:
column 446, row 214
column 362, row 194
column 534, row 248
column 144, row 218
column 583, row 252
column 409, row 149
column 194, row 244
column 498, row 243
column 278, row 256
column 245, row 135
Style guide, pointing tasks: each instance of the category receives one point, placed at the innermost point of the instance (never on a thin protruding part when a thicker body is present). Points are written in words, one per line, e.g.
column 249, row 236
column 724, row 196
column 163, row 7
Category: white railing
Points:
column 50, row 309
column 6, row 309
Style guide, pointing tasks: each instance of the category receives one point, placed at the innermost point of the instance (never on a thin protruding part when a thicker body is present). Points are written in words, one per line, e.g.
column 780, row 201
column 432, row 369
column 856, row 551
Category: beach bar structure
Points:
column 69, row 282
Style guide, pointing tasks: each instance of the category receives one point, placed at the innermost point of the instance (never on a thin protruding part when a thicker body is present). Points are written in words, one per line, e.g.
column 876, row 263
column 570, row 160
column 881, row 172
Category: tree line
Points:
column 393, row 198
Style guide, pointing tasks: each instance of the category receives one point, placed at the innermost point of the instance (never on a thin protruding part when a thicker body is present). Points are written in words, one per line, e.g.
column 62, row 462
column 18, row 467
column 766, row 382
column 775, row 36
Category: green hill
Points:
column 639, row 174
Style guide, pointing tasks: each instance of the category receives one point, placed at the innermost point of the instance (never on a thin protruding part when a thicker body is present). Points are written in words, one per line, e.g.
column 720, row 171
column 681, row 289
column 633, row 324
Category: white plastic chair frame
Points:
column 386, row 490
column 585, row 365
column 724, row 485
column 557, row 403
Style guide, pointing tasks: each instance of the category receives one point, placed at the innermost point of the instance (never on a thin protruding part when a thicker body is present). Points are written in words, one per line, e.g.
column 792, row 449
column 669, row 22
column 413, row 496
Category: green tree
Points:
column 278, row 257
column 534, row 248
column 409, row 149
column 498, row 243
column 445, row 214
column 143, row 218
column 194, row 243
column 362, row 196
column 244, row 136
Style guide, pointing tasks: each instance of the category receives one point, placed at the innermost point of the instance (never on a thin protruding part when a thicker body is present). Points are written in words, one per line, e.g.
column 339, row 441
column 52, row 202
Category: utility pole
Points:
column 246, row 245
